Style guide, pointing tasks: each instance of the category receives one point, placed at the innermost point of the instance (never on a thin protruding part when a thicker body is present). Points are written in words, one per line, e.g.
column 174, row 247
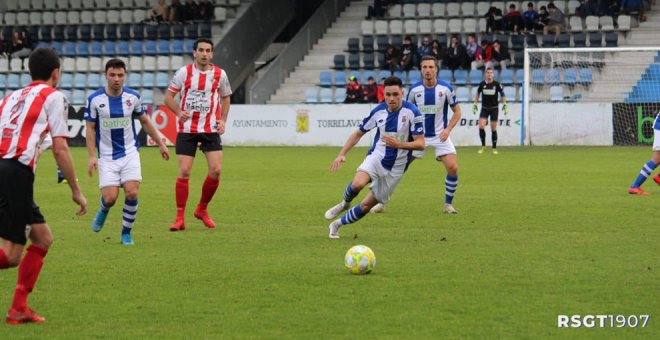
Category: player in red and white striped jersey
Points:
column 202, row 109
column 26, row 117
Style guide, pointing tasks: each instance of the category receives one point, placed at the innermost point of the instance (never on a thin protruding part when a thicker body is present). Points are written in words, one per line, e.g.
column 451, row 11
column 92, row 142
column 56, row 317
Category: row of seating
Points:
column 470, row 8
column 646, row 88
column 100, row 16
column 93, row 80
column 555, row 76
column 97, row 64
column 367, row 61
column 50, row 5
column 120, row 48
column 78, row 97
column 469, row 25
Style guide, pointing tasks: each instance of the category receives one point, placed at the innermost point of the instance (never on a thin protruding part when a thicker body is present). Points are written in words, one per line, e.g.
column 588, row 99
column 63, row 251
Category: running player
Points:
column 111, row 135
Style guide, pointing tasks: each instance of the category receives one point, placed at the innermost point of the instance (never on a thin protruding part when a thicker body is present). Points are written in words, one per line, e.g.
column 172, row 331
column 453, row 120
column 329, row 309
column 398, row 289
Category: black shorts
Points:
column 17, row 207
column 186, row 143
column 492, row 112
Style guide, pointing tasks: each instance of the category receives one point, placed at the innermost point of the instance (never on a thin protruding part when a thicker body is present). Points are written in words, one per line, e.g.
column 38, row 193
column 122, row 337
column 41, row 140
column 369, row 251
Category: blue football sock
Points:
column 646, row 171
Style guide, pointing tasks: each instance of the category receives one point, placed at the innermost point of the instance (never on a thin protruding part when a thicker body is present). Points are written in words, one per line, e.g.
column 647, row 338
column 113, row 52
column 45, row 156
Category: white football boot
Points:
column 337, row 209
column 334, row 229
column 449, row 209
column 378, row 208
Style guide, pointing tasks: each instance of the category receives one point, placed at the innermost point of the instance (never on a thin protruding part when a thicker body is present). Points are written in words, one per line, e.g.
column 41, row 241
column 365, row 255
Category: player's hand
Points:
column 334, row 167
column 444, row 135
column 80, row 199
column 184, row 116
column 220, row 126
column 164, row 152
column 474, row 109
column 92, row 164
column 391, row 141
column 505, row 109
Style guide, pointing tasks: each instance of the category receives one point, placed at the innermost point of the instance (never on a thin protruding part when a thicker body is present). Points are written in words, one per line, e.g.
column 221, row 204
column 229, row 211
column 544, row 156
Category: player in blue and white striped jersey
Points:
column 434, row 98
column 651, row 164
column 111, row 130
column 399, row 131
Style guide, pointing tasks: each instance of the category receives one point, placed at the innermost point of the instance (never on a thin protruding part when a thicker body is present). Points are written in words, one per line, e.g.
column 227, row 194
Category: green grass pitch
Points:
column 541, row 232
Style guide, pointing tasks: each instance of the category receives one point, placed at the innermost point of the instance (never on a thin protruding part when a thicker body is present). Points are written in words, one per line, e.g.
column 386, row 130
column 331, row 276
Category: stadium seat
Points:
column 570, row 76
column 380, row 27
column 548, row 40
column 94, row 80
column 206, row 30
column 69, row 49
column 396, row 41
column 311, row 95
column 66, row 80
column 80, row 80
column 591, row 23
column 354, row 61
column 445, row 75
column 381, row 42
column 595, row 39
column 462, row 94
column 475, row 77
column 368, row 61
column 178, row 31
column 164, row 47
column 564, row 40
column 147, row 96
column 148, row 79
column 368, row 44
column 78, row 97
column 414, row 77
column 425, row 26
column 395, row 10
column 71, row 32
column 137, row 31
column 401, row 75
column 611, row 39
column 162, row 80
column 176, row 47
column 353, row 45
column 410, row 27
column 340, row 78
column 460, row 77
column 517, row 42
column 339, row 61
column 45, row 33
column 57, row 46
column 58, row 33
column 176, row 62
column 532, row 41
column 367, row 27
column 134, row 80
column 467, row 10
column 624, row 22
column 454, row 25
column 68, row 64
column 556, row 93
column 538, row 77
column 340, row 95
column 139, row 15
column 396, row 27
column 188, row 45
column 440, row 25
column 585, row 76
column 409, row 11
column 110, row 48
column 470, row 25
column 100, row 17
column 151, row 32
column 606, row 23
column 579, row 39
column 150, row 47
column 553, row 76
column 220, row 14
column 506, row 77
column 453, row 9
column 423, row 10
column 510, row 93
column 439, row 9
column 367, row 74
column 192, row 31
column 124, row 47
column 3, row 81
column 14, row 81
column 101, row 3
column 34, row 18
column 325, row 95
column 111, row 31
column 575, row 23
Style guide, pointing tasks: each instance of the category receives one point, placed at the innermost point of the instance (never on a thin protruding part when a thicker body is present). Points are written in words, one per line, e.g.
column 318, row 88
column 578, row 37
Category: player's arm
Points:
column 456, row 109
column 350, row 143
column 476, row 100
column 416, row 144
column 65, row 164
column 153, row 133
column 505, row 108
column 90, row 141
column 171, row 103
column 224, row 113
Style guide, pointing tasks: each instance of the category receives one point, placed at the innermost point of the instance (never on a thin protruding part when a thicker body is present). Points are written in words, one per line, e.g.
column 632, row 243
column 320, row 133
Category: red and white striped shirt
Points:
column 27, row 116
column 200, row 95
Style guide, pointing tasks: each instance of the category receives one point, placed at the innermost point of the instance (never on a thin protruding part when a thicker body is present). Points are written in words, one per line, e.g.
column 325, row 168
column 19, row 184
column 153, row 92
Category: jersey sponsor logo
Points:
column 428, row 109
column 197, row 101
column 489, row 92
column 116, row 123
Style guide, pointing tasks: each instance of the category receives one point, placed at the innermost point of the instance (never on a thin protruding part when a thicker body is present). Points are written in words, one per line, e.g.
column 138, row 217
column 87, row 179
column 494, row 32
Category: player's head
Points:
column 44, row 65
column 115, row 73
column 490, row 74
column 429, row 67
column 203, row 52
column 393, row 92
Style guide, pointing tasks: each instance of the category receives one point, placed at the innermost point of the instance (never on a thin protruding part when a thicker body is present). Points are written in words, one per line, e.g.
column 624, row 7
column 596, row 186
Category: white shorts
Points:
column 441, row 148
column 116, row 172
column 383, row 181
column 656, row 140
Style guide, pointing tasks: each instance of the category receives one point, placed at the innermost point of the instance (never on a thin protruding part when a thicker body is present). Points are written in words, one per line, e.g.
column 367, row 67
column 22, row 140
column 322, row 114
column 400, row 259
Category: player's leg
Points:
column 129, row 213
column 647, row 168
column 212, row 147
column 15, row 208
column 417, row 154
column 482, row 131
column 109, row 196
column 41, row 239
column 361, row 179
column 493, row 129
column 450, row 161
column 186, row 147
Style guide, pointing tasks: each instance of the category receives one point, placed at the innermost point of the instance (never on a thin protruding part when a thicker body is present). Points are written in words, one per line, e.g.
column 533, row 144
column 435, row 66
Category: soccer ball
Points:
column 360, row 260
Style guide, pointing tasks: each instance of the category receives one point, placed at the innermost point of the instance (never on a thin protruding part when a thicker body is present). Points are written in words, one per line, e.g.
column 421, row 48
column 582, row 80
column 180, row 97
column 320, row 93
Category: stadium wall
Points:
column 330, row 125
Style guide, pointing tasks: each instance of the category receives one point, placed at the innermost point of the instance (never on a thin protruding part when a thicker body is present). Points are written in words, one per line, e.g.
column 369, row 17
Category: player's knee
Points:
column 13, row 260
column 41, row 236
column 184, row 172
column 214, row 172
column 452, row 169
column 109, row 200
column 131, row 194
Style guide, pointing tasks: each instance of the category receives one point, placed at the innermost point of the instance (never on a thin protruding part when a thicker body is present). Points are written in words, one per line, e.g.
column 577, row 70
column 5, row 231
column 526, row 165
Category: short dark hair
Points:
column 115, row 63
column 202, row 40
column 393, row 81
column 42, row 63
column 551, row 5
column 490, row 68
column 429, row 57
column 512, row 6
column 530, row 4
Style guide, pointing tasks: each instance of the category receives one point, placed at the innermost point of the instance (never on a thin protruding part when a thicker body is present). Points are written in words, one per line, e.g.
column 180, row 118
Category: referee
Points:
column 488, row 89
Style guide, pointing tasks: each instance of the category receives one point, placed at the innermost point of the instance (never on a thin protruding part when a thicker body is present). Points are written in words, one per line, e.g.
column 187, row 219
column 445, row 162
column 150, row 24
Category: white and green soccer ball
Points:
column 360, row 260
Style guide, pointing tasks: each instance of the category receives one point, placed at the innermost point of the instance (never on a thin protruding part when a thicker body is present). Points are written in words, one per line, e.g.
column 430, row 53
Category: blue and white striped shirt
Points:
column 433, row 102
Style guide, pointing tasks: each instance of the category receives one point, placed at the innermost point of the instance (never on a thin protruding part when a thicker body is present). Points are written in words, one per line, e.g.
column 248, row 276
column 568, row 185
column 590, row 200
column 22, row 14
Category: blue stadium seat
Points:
column 69, row 49
column 311, row 95
column 177, row 47
column 611, row 39
column 506, row 77
column 384, row 74
column 25, row 79
column 340, row 78
column 595, row 39
column 164, row 47
column 82, row 49
column 14, row 80
column 586, row 76
column 57, row 46
column 570, row 76
column 150, row 47
column 78, row 97
column 94, row 80
column 80, row 80
column 162, row 80
column 401, row 75
column 460, row 77
column 414, row 77
column 325, row 79
column 124, row 47
column 3, row 80
column 325, row 95
column 356, row 74
column 519, row 77
column 148, row 79
column 475, row 77
column 110, row 48
column 96, row 49
column 554, row 77
column 381, row 42
column 564, row 40
column 367, row 74
column 462, row 94
column 510, row 93
column 340, row 95
column 368, row 61
column 134, row 80
column 147, row 96
column 188, row 45
column 538, row 77
column 445, row 75
column 66, row 81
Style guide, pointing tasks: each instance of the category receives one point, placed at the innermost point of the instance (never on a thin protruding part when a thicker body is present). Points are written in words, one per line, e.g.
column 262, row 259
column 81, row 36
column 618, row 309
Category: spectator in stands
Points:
column 493, row 20
column 174, row 11
column 456, row 56
column 437, row 51
column 353, row 91
column 408, row 52
column 206, row 10
column 20, row 46
column 472, row 49
column 500, row 56
column 587, row 7
column 425, row 47
column 529, row 17
column 555, row 20
column 611, row 8
column 392, row 58
column 482, row 59
column 158, row 11
column 380, row 95
column 189, row 11
column 543, row 18
column 630, row 6
column 512, row 20
column 379, row 8
column 370, row 91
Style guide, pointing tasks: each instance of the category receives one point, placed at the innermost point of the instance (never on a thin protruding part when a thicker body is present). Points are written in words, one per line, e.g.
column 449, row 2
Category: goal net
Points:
column 583, row 96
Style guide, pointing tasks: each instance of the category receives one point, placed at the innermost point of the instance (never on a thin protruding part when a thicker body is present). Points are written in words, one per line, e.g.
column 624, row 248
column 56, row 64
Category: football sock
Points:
column 451, row 182
column 104, row 207
column 208, row 190
column 494, row 139
column 482, row 136
column 646, row 171
column 181, row 196
column 4, row 261
column 28, row 272
column 349, row 193
column 130, row 211
column 353, row 215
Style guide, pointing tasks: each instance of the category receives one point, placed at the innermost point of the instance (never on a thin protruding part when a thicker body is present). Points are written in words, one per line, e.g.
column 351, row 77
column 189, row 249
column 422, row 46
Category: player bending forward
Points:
column 647, row 169
column 399, row 131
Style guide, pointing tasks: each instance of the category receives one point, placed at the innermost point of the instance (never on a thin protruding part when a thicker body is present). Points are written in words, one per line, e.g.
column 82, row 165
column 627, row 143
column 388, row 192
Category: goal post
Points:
column 590, row 96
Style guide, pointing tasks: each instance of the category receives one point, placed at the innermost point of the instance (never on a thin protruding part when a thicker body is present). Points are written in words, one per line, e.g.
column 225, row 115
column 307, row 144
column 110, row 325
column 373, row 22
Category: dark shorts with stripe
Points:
column 17, row 207
column 186, row 143
column 492, row 112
